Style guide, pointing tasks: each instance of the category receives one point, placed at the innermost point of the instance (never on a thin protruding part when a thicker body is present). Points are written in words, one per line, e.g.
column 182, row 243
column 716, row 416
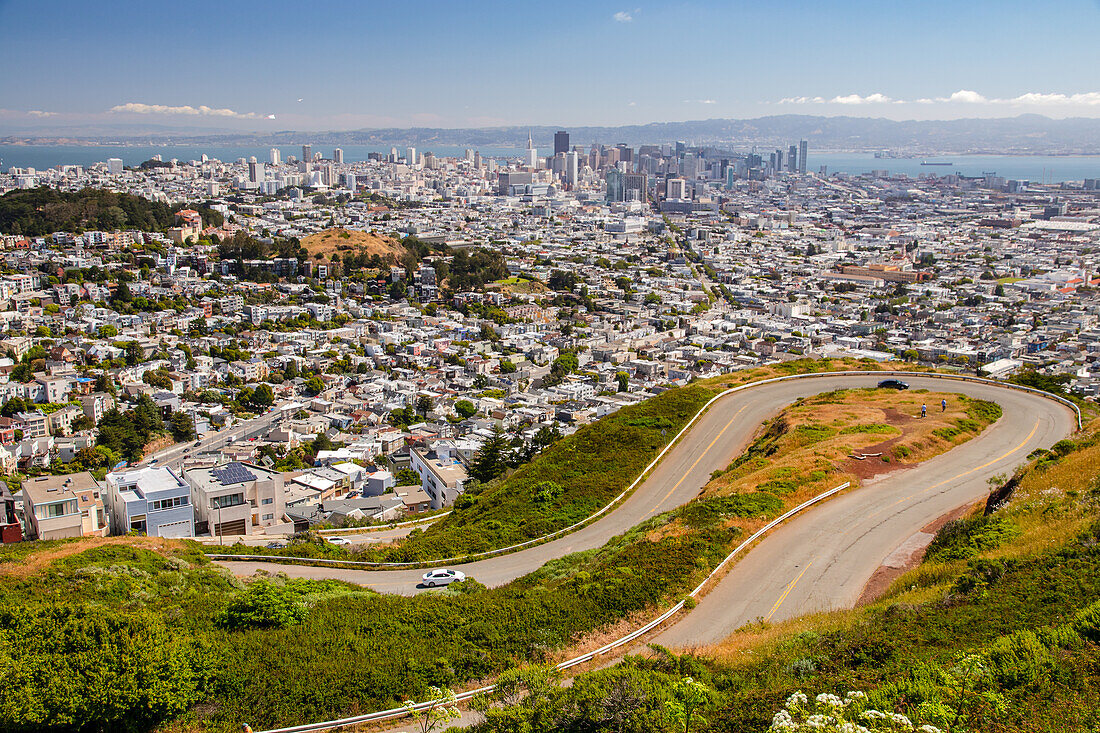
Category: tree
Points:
column 263, row 396
column 624, row 381
column 320, row 443
column 407, row 477
column 158, row 378
column 314, row 385
column 22, row 373
column 423, row 404
column 465, row 409
column 491, row 459
column 182, row 426
column 134, row 353
column 442, row 706
column 12, row 406
column 688, row 697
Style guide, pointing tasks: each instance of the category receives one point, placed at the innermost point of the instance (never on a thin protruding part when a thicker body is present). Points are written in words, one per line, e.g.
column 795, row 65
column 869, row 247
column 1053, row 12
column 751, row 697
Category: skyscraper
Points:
column 803, row 152
column 337, row 156
column 307, row 153
column 275, row 157
column 614, row 185
column 792, row 159
column 255, row 170
column 571, row 168
column 532, row 154
column 410, row 156
column 561, row 142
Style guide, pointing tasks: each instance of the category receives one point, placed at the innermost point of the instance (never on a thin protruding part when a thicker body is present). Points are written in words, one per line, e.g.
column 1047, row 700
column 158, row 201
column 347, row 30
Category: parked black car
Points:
column 893, row 384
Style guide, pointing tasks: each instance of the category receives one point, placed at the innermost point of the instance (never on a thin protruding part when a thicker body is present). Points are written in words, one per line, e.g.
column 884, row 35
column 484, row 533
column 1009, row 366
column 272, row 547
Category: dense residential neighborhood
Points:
column 367, row 327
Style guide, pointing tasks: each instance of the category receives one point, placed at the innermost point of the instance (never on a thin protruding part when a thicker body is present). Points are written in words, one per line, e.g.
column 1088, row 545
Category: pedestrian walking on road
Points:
column 943, row 405
column 924, row 410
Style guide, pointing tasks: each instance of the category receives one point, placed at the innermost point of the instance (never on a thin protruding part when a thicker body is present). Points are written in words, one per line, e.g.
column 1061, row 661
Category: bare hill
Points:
column 346, row 240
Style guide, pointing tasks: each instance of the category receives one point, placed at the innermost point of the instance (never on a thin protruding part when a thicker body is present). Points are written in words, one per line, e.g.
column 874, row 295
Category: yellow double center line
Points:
column 787, row 592
column 696, row 463
column 987, row 464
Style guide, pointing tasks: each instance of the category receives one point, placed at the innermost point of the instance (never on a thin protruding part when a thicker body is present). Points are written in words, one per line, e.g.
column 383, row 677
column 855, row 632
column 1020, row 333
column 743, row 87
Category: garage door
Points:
column 237, row 526
column 175, row 529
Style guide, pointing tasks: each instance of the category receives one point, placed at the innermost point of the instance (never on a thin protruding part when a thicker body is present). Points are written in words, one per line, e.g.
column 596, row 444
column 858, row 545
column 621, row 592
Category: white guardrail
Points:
column 588, row 520
column 395, row 713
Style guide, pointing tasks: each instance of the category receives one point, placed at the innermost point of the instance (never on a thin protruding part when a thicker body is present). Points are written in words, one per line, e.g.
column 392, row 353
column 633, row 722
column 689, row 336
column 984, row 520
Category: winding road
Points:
column 819, row 560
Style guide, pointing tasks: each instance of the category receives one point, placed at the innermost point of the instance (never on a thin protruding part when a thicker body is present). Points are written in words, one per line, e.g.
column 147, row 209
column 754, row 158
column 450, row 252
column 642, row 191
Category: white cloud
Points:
column 708, row 101
column 1086, row 99
column 631, row 104
column 962, row 96
column 875, row 98
column 622, row 17
column 40, row 113
column 202, row 110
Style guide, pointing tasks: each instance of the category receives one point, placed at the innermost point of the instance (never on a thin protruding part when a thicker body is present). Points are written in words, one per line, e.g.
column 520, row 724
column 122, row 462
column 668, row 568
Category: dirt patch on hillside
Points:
column 884, row 576
column 331, row 241
column 36, row 561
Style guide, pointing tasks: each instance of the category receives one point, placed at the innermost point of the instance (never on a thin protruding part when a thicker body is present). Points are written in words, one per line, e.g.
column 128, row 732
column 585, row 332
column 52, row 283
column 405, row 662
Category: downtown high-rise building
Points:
column 571, row 168
column 338, row 156
column 307, row 153
column 532, row 153
column 792, row 159
column 274, row 156
column 410, row 156
column 803, row 152
column 561, row 142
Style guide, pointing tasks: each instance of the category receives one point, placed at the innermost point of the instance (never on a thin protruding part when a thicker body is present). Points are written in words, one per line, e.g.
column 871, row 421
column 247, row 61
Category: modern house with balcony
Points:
column 152, row 501
column 57, row 507
column 236, row 499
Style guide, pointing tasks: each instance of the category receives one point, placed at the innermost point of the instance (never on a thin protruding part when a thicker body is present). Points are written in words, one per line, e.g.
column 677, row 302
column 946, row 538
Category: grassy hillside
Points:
column 998, row 630
column 343, row 241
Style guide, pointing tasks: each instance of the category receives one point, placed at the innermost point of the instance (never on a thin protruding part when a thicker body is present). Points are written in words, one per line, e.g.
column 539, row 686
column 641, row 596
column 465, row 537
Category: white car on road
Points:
column 442, row 576
column 339, row 540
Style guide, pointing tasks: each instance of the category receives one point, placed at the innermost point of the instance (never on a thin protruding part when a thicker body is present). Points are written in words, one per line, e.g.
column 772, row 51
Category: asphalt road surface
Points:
column 819, row 560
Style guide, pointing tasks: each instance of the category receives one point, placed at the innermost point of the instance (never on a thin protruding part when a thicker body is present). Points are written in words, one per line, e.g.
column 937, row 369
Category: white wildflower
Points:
column 929, row 729
column 874, row 715
column 830, row 700
column 899, row 719
column 854, row 695
column 818, row 721
column 781, row 718
column 798, row 698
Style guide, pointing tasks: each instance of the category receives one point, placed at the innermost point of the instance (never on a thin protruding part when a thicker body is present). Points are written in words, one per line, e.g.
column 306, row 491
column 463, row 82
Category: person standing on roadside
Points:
column 943, row 405
column 924, row 410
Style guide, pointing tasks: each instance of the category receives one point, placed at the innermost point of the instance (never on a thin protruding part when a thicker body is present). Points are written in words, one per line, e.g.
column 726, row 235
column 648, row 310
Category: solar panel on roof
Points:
column 233, row 473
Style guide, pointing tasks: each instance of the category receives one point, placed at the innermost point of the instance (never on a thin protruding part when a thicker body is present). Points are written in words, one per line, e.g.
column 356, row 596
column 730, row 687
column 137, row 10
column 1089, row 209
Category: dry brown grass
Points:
column 814, row 452
column 340, row 240
column 37, row 561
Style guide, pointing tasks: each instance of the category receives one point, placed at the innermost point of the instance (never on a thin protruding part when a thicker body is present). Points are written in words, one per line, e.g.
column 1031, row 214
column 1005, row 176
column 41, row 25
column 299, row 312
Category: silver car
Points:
column 442, row 576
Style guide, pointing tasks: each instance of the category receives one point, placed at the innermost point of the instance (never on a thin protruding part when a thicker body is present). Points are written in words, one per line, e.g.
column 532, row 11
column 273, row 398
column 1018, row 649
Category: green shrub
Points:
column 963, row 538
column 1020, row 660
column 263, row 605
column 77, row 667
column 704, row 512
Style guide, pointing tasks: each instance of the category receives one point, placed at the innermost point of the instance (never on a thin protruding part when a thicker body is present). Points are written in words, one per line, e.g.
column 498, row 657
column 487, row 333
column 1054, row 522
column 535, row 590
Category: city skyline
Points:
column 344, row 66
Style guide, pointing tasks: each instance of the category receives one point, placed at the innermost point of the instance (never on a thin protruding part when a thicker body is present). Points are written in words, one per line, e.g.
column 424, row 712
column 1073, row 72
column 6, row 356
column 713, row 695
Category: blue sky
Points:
column 235, row 64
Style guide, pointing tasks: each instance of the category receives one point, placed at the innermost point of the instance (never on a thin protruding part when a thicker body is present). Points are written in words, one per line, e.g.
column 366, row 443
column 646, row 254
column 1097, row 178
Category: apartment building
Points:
column 236, row 498
column 441, row 472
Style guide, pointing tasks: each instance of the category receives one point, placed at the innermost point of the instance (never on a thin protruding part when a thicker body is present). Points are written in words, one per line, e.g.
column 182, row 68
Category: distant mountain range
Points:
column 1024, row 134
